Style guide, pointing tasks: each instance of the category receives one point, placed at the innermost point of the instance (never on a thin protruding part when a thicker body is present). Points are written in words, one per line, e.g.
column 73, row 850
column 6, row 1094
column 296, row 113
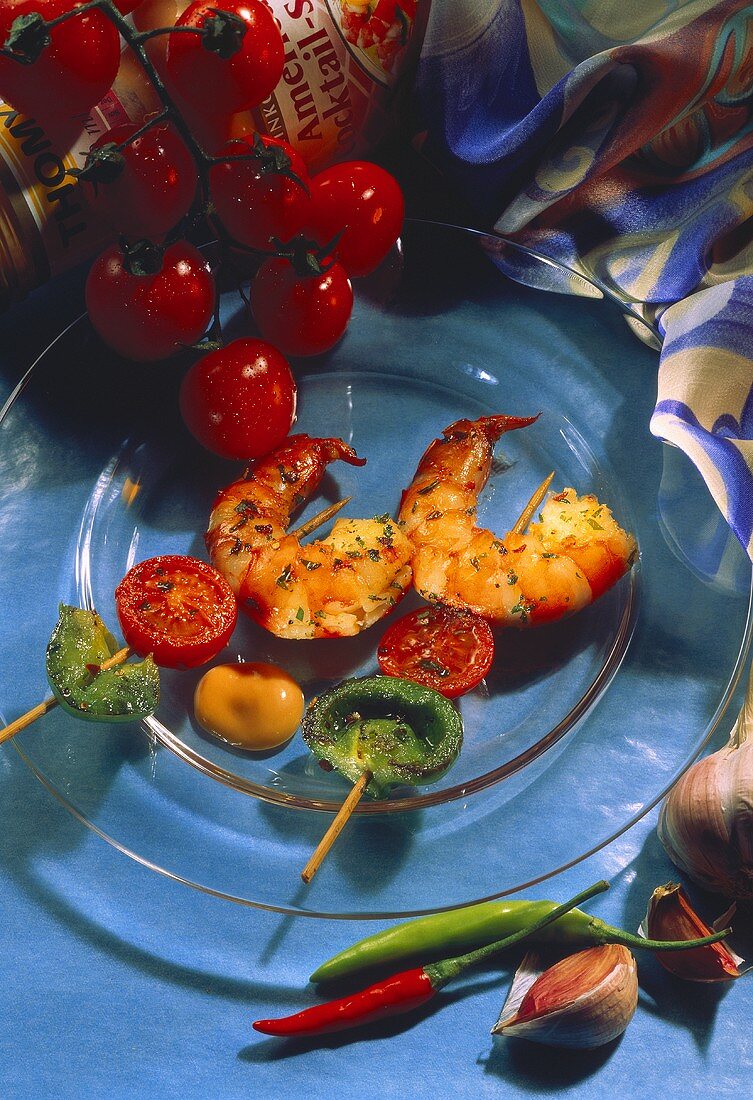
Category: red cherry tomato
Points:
column 155, row 188
column 301, row 314
column 239, row 401
column 179, row 609
column 254, row 200
column 365, row 202
column 71, row 74
column 149, row 317
column 441, row 648
column 222, row 86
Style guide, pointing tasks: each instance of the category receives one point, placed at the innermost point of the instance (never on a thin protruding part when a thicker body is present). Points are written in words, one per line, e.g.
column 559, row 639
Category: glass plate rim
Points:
column 627, row 618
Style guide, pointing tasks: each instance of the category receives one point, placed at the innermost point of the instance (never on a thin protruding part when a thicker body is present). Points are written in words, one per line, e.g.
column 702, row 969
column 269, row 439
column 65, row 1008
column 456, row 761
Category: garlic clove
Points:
column 706, row 822
column 582, row 1001
column 670, row 916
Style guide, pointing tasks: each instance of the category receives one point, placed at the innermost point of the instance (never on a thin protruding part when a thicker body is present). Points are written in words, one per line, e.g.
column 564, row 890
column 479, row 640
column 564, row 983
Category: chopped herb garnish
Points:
column 310, row 564
column 299, row 614
column 433, row 666
column 165, row 586
column 284, row 579
column 374, row 554
column 428, row 488
column 290, row 477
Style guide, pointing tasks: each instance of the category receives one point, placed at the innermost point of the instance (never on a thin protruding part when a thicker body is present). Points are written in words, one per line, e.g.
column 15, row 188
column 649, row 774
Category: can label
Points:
column 341, row 62
column 37, row 182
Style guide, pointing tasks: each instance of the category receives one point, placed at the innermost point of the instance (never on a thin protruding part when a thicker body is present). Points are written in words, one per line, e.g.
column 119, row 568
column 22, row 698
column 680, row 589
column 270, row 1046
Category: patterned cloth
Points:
column 617, row 137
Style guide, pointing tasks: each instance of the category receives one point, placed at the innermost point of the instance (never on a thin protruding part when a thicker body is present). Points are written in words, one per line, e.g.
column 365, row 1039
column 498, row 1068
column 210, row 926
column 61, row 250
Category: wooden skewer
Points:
column 525, row 516
column 47, row 704
column 124, row 653
column 350, row 803
column 337, row 826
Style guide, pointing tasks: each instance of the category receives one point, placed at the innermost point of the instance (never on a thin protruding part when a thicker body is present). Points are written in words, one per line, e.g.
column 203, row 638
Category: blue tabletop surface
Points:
column 118, row 983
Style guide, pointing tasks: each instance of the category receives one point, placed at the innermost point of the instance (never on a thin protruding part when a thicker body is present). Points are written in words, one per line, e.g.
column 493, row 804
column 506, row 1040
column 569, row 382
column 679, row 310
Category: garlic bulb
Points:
column 706, row 822
column 583, row 1001
column 671, row 916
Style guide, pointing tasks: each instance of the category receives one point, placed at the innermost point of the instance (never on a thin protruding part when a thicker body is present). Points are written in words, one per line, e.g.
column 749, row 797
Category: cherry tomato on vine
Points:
column 177, row 608
column 441, row 648
column 255, row 200
column 363, row 201
column 222, row 86
column 151, row 316
column 301, row 314
column 155, row 187
column 239, row 401
column 72, row 73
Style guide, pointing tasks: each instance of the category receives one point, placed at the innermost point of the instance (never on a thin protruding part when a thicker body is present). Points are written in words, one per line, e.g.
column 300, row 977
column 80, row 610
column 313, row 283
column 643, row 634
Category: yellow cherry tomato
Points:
column 254, row 706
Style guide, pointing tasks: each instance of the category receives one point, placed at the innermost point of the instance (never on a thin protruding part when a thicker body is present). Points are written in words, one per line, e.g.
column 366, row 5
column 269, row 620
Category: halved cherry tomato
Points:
column 177, row 608
column 441, row 648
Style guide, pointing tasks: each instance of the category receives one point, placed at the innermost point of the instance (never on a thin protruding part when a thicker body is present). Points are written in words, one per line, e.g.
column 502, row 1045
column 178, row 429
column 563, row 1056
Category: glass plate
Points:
column 579, row 728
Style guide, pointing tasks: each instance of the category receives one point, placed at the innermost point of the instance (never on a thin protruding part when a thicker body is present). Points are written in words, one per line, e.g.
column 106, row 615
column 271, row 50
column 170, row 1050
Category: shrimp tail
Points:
column 490, row 426
column 332, row 449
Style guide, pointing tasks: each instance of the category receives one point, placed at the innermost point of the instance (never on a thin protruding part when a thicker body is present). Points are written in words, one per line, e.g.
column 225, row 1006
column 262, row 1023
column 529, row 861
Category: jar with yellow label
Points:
column 336, row 99
column 46, row 225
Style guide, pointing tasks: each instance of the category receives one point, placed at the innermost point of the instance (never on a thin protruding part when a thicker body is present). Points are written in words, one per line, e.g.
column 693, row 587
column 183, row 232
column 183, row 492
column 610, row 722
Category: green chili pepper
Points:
column 399, row 731
column 80, row 643
column 460, row 930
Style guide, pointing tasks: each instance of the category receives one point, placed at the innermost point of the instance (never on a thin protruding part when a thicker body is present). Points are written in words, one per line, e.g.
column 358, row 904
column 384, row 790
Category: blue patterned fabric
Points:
column 617, row 138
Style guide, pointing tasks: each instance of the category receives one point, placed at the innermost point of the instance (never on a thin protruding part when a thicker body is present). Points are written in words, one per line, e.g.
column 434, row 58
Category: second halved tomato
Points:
column 441, row 648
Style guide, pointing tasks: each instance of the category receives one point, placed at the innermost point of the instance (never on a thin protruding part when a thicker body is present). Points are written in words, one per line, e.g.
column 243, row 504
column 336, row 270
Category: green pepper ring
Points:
column 81, row 640
column 436, row 719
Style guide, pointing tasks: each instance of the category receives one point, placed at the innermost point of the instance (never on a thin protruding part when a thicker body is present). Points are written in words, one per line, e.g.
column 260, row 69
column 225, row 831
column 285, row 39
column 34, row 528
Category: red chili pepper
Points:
column 402, row 992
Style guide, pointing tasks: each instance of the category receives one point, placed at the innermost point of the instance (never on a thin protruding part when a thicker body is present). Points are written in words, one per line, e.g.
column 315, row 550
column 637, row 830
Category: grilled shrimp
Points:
column 333, row 587
column 570, row 557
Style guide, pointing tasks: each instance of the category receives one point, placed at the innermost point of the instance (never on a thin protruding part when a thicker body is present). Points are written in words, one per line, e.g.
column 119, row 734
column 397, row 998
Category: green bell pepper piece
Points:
column 399, row 731
column 80, row 643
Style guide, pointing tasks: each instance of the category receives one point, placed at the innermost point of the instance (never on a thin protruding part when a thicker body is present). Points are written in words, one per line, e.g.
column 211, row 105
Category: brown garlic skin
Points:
column 581, row 1002
column 671, row 916
column 706, row 822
